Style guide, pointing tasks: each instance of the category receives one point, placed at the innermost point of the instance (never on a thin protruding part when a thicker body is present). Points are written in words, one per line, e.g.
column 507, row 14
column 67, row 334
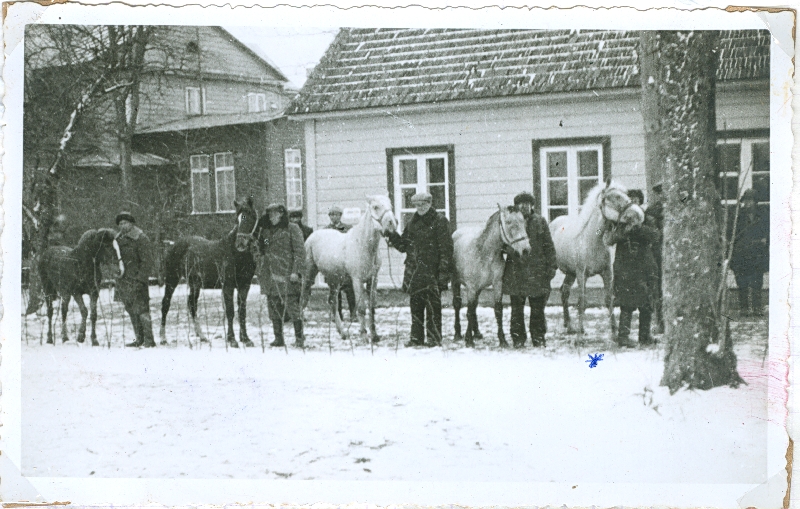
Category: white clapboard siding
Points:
column 493, row 149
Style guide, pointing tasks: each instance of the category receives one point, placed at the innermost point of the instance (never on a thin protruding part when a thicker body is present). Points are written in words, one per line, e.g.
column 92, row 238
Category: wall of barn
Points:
column 492, row 145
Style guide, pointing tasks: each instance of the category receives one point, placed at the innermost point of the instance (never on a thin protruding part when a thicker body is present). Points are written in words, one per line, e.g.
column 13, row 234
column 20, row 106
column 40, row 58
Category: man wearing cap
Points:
column 296, row 217
column 528, row 277
column 654, row 216
column 335, row 215
column 136, row 263
column 428, row 245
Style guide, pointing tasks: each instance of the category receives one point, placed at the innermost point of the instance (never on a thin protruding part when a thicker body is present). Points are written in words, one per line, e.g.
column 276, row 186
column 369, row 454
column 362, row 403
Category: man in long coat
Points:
column 750, row 259
column 296, row 217
column 136, row 264
column 528, row 277
column 634, row 277
column 428, row 245
column 280, row 271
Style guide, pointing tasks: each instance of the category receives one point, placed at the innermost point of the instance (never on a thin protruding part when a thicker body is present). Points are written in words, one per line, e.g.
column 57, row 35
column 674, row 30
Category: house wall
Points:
column 493, row 147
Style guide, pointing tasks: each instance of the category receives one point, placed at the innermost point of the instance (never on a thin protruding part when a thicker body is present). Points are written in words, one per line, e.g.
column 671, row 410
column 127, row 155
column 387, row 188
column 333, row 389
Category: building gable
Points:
column 367, row 68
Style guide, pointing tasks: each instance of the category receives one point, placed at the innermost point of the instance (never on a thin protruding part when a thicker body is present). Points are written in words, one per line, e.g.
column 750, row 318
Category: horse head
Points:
column 512, row 230
column 380, row 210
column 98, row 245
column 617, row 207
column 246, row 223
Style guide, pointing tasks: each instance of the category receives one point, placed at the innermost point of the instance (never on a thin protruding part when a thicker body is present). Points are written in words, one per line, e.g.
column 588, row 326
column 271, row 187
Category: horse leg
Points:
column 308, row 280
column 361, row 305
column 371, row 299
column 49, row 301
column 476, row 331
column 241, row 298
column 93, row 315
column 84, row 314
column 566, row 287
column 457, row 308
column 469, row 338
column 194, row 295
column 608, row 287
column 169, row 289
column 581, row 300
column 334, row 301
column 64, row 309
column 227, row 301
column 498, row 314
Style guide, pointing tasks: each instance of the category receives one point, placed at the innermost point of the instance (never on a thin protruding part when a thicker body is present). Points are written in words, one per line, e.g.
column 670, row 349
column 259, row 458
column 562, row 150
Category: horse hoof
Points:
column 204, row 340
column 81, row 339
column 246, row 342
column 470, row 344
column 457, row 337
column 232, row 343
column 163, row 342
column 95, row 343
column 478, row 335
column 503, row 343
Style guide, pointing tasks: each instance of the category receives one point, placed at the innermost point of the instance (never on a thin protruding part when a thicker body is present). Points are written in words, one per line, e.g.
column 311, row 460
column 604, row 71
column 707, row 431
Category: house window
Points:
column 225, row 181
column 256, row 102
column 567, row 172
column 417, row 173
column 743, row 164
column 195, row 100
column 294, row 178
column 201, row 191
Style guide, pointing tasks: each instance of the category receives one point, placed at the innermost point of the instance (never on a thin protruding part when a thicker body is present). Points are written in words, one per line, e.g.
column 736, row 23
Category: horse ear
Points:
column 250, row 202
column 608, row 181
column 236, row 204
column 499, row 208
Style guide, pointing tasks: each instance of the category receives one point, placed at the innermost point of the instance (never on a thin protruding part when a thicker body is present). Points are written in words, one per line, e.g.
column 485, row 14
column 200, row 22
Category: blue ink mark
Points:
column 594, row 359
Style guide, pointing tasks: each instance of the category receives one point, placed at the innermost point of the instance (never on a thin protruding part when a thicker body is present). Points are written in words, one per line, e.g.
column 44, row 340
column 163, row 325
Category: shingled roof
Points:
column 367, row 68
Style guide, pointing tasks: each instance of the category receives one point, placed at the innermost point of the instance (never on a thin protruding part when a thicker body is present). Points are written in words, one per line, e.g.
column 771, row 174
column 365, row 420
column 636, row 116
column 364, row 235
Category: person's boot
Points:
column 744, row 304
column 645, row 319
column 758, row 307
column 624, row 331
column 137, row 332
column 299, row 337
column 146, row 328
column 277, row 328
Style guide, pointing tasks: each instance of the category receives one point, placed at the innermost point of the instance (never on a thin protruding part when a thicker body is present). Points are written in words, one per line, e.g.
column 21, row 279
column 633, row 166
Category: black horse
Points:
column 226, row 263
column 67, row 272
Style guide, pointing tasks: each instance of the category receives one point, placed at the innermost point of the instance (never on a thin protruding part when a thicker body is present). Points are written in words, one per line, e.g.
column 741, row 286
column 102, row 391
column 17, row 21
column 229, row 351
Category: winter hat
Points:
column 524, row 198
column 127, row 216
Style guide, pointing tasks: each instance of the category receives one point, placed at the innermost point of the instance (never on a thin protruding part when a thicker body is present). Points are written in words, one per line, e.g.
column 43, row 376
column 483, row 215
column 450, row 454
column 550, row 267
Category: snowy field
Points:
column 340, row 411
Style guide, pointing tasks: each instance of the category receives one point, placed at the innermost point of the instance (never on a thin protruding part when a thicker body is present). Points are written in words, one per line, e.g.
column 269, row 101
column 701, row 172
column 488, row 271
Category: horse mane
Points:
column 91, row 240
column 494, row 217
column 586, row 213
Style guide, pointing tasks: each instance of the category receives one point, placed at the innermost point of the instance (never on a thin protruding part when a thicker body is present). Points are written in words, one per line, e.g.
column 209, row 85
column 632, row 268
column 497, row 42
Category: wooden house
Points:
column 476, row 116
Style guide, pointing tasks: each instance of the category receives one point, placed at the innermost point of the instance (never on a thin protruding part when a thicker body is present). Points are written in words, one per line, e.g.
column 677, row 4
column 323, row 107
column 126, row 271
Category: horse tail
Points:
column 172, row 266
column 455, row 282
column 308, row 278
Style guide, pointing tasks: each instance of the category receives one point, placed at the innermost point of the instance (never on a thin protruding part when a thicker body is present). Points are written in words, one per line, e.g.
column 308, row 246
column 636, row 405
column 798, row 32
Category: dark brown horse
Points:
column 67, row 272
column 226, row 263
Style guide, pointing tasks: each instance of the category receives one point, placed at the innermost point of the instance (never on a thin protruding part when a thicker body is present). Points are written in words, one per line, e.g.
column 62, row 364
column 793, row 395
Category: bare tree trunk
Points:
column 699, row 355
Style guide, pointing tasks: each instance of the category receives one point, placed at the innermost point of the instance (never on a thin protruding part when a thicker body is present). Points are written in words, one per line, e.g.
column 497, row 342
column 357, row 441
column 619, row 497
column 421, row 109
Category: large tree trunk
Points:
column 699, row 354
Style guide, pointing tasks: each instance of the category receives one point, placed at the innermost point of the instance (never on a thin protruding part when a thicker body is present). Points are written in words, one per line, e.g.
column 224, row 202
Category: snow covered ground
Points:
column 339, row 411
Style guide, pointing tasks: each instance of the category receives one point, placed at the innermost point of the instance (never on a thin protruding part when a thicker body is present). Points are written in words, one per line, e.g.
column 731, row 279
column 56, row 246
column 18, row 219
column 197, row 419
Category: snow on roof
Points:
column 366, row 68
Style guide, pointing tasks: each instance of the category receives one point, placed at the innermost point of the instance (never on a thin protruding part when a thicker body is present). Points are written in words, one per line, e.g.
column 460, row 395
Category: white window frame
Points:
column 196, row 169
column 293, row 171
column 256, row 102
column 224, row 169
column 201, row 100
column 421, row 185
column 572, row 178
column 745, row 163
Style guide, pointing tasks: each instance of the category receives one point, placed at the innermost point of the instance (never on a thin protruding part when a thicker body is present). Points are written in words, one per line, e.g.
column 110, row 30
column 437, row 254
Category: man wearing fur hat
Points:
column 136, row 263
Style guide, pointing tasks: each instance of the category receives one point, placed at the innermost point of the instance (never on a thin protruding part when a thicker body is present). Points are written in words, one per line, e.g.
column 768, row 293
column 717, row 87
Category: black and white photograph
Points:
column 488, row 259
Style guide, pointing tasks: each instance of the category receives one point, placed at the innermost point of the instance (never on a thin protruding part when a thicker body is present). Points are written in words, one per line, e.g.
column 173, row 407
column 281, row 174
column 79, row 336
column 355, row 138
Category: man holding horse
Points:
column 528, row 276
column 136, row 264
column 280, row 271
column 428, row 245
column 335, row 215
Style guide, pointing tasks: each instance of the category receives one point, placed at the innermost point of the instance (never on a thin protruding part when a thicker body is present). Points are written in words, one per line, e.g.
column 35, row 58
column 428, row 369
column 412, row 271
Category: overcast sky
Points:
column 292, row 50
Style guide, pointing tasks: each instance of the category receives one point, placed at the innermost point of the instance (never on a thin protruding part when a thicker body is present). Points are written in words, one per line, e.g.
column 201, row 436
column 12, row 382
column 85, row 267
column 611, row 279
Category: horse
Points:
column 478, row 257
column 338, row 255
column 580, row 250
column 227, row 263
column 67, row 272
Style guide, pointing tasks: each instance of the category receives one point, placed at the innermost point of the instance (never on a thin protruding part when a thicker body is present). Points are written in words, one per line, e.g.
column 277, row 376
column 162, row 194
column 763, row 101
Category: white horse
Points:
column 355, row 254
column 478, row 254
column 580, row 250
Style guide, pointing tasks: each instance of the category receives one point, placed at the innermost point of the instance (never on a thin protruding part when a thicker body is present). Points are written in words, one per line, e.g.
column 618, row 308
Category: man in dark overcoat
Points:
column 750, row 259
column 136, row 265
column 335, row 215
column 280, row 271
column 634, row 276
column 296, row 217
column 527, row 277
column 428, row 245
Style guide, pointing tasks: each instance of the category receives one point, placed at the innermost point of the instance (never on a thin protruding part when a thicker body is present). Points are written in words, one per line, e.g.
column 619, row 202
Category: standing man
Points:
column 750, row 259
column 296, row 217
column 280, row 271
column 428, row 245
column 136, row 263
column 335, row 215
column 528, row 277
column 654, row 216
